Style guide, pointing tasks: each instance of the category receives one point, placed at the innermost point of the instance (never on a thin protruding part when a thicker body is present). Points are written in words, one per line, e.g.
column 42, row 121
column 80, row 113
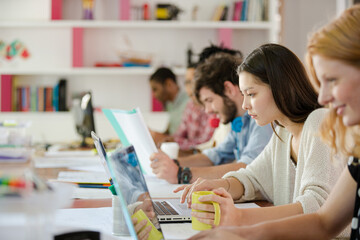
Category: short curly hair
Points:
column 214, row 71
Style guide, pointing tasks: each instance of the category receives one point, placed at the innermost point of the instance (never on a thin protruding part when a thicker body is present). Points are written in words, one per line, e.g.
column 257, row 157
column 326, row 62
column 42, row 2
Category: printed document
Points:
column 132, row 130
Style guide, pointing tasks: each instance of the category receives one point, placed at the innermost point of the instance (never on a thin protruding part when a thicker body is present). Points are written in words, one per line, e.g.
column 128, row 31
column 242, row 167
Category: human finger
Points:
column 204, row 215
column 203, row 207
column 139, row 225
column 144, row 234
column 178, row 189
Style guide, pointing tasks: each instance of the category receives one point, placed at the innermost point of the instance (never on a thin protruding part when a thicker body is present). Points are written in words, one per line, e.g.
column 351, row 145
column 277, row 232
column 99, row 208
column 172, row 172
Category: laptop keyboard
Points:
column 164, row 208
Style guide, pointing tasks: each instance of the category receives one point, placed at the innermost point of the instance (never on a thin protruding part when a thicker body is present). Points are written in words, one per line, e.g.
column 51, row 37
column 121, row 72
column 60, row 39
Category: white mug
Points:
column 171, row 149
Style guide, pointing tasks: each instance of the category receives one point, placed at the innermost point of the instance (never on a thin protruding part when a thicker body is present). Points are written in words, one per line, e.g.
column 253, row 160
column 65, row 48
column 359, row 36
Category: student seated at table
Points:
column 165, row 89
column 216, row 87
column 333, row 57
column 294, row 171
column 194, row 128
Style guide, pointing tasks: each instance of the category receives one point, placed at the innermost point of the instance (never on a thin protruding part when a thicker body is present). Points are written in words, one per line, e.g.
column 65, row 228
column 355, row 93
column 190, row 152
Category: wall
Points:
column 111, row 91
column 301, row 17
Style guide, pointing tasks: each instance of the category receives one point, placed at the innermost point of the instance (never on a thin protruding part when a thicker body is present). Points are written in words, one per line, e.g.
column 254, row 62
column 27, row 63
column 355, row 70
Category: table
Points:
column 81, row 210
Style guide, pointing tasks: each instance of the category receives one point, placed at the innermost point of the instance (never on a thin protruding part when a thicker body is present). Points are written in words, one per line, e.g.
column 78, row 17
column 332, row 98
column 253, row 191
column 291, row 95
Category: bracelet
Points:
column 179, row 174
column 176, row 162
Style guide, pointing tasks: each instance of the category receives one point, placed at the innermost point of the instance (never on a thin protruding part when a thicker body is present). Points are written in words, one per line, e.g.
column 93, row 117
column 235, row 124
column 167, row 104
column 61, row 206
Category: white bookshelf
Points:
column 262, row 25
column 51, row 48
column 99, row 71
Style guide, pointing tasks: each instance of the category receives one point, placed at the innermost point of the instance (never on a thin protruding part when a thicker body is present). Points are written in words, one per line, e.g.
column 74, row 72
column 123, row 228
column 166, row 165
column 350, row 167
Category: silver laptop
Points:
column 130, row 178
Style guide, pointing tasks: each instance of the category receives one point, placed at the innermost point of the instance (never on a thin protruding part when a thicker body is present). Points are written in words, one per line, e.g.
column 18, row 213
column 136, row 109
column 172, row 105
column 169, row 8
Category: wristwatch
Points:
column 179, row 170
column 186, row 175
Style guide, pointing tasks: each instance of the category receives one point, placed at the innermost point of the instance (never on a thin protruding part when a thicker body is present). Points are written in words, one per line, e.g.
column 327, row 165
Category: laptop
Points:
column 130, row 178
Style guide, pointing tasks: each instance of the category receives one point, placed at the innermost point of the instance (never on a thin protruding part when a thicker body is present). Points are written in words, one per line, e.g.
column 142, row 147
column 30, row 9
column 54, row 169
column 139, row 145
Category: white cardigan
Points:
column 274, row 177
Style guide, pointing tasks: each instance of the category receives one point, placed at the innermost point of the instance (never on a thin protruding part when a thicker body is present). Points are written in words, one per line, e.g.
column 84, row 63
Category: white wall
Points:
column 60, row 126
column 301, row 17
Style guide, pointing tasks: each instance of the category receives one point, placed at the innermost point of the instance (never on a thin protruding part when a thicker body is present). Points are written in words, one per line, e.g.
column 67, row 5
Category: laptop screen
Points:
column 130, row 183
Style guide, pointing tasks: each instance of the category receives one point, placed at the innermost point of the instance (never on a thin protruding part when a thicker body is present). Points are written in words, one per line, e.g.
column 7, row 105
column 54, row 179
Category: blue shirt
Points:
column 244, row 146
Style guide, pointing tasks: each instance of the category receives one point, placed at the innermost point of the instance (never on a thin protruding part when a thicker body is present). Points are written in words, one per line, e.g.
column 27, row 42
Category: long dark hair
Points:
column 282, row 70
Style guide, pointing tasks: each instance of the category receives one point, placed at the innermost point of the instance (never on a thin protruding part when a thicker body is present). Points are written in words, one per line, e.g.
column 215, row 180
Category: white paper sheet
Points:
column 99, row 219
column 91, row 193
column 178, row 230
column 75, row 153
column 160, row 188
column 82, row 177
column 246, row 205
column 137, row 133
column 90, row 168
column 59, row 162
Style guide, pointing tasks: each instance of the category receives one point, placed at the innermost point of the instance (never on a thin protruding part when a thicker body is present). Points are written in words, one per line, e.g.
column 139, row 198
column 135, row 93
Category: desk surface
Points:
column 94, row 208
column 102, row 209
column 52, row 173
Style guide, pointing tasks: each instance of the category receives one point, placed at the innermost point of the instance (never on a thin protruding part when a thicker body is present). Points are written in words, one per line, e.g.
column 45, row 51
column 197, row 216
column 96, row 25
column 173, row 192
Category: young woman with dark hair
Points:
column 290, row 171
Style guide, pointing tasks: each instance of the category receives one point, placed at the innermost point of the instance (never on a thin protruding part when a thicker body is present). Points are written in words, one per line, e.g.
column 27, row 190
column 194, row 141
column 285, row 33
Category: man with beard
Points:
column 217, row 88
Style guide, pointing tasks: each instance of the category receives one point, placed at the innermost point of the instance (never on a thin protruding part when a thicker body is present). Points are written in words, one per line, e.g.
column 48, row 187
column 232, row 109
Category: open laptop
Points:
column 128, row 174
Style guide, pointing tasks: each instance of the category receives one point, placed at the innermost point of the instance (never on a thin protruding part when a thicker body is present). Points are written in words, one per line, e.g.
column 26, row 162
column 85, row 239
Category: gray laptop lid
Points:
column 130, row 184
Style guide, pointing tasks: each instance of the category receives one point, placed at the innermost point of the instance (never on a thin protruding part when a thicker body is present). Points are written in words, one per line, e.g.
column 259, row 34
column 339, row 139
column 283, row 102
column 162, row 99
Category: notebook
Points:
column 126, row 169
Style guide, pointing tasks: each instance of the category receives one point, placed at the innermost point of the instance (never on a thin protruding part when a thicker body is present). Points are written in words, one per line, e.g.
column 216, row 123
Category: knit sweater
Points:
column 274, row 177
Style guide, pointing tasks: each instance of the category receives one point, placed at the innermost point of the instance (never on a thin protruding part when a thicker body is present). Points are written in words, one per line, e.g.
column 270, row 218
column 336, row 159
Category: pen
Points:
column 93, row 185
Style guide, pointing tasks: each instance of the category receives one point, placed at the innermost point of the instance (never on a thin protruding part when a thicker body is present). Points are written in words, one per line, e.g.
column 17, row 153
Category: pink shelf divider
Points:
column 225, row 37
column 6, row 93
column 56, row 9
column 77, row 47
column 124, row 11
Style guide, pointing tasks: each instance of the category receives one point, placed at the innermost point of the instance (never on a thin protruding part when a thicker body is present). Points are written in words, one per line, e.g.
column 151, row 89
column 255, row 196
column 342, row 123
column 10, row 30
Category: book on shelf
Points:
column 254, row 10
column 6, row 93
column 237, row 10
column 62, row 95
column 26, row 98
column 218, row 13
column 224, row 13
column 49, row 99
column 244, row 11
column 221, row 13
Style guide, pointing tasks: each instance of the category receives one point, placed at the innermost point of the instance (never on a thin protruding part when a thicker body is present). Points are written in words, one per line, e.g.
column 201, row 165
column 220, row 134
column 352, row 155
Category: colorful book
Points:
column 6, row 93
column 33, row 97
column 218, row 13
column 41, row 102
column 237, row 10
column 48, row 99
column 62, row 95
column 244, row 12
column 56, row 97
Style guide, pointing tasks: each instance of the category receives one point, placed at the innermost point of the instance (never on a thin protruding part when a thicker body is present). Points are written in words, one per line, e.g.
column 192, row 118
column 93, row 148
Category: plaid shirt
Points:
column 194, row 128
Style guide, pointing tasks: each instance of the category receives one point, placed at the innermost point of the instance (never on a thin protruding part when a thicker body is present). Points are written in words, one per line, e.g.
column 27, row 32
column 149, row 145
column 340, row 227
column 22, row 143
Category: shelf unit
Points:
column 68, row 48
column 261, row 25
column 108, row 71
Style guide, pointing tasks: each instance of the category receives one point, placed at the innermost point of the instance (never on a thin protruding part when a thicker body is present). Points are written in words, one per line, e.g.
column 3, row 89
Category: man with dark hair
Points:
column 165, row 89
column 213, row 49
column 194, row 128
column 217, row 88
